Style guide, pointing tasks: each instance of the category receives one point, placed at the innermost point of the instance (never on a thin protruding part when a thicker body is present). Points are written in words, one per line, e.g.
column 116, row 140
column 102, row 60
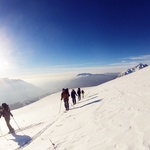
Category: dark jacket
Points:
column 73, row 94
column 79, row 92
column 65, row 94
column 6, row 111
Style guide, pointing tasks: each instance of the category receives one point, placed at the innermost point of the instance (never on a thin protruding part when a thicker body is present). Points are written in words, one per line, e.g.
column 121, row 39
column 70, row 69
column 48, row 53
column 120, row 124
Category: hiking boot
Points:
column 11, row 131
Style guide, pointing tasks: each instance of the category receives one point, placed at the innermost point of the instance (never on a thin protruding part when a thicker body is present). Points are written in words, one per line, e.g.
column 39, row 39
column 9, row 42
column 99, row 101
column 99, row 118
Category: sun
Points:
column 5, row 63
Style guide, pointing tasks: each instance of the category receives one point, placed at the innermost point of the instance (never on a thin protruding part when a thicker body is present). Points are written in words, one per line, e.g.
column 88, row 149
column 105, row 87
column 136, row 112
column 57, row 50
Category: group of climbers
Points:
column 65, row 96
column 5, row 110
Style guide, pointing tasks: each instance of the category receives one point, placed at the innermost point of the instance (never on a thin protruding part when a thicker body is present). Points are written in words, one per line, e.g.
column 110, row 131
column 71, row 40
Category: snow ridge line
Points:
column 38, row 134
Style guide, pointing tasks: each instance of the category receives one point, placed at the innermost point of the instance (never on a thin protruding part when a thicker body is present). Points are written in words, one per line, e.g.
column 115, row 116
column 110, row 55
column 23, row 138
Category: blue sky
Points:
column 61, row 38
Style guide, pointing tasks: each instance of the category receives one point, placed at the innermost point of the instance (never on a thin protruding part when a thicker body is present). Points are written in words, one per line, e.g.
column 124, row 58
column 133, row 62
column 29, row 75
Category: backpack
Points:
column 67, row 91
column 6, row 110
column 1, row 111
column 65, row 94
column 6, row 107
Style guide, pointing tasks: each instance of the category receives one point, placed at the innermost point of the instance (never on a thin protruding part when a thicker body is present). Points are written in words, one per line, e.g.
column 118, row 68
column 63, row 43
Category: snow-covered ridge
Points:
column 134, row 69
column 16, row 90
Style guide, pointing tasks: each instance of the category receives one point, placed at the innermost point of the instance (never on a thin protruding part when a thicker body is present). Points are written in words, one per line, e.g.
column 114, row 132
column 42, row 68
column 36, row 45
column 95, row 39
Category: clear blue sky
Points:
column 42, row 38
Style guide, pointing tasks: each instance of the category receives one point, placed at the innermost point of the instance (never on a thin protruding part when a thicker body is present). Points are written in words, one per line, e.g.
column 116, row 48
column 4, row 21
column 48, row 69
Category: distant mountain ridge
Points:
column 16, row 90
column 84, row 74
column 88, row 79
column 131, row 70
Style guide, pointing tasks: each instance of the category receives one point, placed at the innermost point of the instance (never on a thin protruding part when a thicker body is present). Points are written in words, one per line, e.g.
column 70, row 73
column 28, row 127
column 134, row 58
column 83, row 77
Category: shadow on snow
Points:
column 21, row 139
column 96, row 101
column 93, row 95
column 82, row 100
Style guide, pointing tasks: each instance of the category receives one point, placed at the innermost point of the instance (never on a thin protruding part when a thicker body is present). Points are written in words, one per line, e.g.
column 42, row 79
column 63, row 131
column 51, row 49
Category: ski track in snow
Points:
column 29, row 141
column 24, row 128
column 38, row 134
column 26, row 143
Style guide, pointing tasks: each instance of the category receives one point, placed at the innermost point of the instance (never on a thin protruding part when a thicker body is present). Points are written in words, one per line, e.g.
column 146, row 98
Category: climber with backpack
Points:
column 79, row 94
column 65, row 96
column 73, row 96
column 5, row 112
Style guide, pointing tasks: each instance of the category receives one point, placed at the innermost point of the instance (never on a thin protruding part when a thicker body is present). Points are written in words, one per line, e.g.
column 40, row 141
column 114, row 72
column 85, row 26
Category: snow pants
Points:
column 79, row 97
column 82, row 95
column 7, row 119
column 74, row 100
column 66, row 104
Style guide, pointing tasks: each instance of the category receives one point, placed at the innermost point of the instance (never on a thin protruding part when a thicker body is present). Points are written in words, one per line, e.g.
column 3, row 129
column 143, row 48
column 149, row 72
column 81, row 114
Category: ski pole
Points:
column 17, row 125
column 119, row 90
column 60, row 106
column 71, row 105
column 52, row 144
column 2, row 133
column 0, row 128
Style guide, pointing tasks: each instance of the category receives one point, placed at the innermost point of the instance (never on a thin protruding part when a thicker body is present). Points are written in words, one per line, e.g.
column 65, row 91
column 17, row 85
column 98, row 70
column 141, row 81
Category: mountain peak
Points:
column 140, row 66
column 134, row 69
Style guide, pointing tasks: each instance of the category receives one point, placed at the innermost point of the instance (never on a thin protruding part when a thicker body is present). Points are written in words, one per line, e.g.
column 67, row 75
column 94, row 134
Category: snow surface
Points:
column 112, row 116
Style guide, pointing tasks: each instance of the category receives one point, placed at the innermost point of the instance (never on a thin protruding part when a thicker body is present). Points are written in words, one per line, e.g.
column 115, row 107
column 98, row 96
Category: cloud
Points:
column 71, row 70
column 62, row 72
column 75, row 65
column 123, row 63
column 133, row 60
column 141, row 57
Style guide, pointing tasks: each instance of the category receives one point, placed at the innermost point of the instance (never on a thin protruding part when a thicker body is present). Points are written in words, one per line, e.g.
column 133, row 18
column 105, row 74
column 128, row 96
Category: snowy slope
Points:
column 111, row 116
